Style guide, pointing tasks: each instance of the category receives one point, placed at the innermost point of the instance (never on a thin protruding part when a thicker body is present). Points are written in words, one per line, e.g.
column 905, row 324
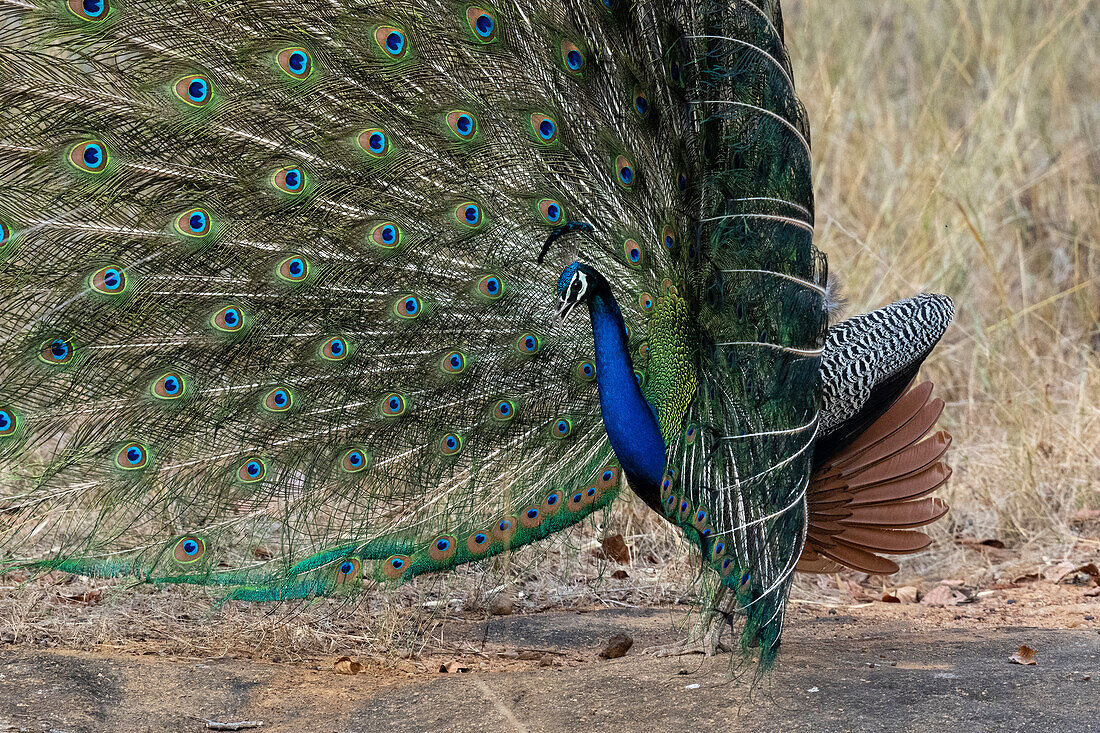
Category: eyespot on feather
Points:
column 561, row 428
column 478, row 542
column 646, row 302
column 194, row 90
column 585, row 371
column 293, row 269
column 189, row 549
column 229, row 319
column 684, row 510
column 544, row 128
column 625, row 174
column 392, row 405
column 9, row 422
column 462, row 124
column 666, row 489
column 193, row 223
column 354, row 460
column 573, row 58
column 5, row 233
column 334, row 348
column 451, row 444
column 504, row 529
column 442, row 548
column 453, row 362
column 483, row 24
column 551, row 211
column 392, row 41
column 347, row 571
column 490, row 286
column 386, row 235
column 717, row 550
column 57, row 351
column 109, row 280
column 408, row 306
column 668, row 237
column 531, row 517
column 468, row 214
column 529, row 344
column 90, row 156
column 252, row 470
column 132, row 456
column 295, row 62
column 608, row 477
column 394, row 567
column 90, row 10
column 640, row 103
column 374, row 142
column 552, row 504
column 633, row 252
column 279, row 399
column 290, row 179
column 170, row 386
column 504, row 410
column 643, row 350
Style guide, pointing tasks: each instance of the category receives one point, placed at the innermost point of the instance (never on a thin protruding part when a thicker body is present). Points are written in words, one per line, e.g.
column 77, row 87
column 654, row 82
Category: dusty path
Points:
column 862, row 670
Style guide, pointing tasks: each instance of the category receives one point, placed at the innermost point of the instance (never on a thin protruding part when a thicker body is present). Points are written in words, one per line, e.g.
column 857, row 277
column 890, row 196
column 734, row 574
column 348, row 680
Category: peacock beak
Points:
column 565, row 308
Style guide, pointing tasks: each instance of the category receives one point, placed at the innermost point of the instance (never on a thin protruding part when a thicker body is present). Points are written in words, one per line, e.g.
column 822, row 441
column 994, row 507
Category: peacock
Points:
column 294, row 298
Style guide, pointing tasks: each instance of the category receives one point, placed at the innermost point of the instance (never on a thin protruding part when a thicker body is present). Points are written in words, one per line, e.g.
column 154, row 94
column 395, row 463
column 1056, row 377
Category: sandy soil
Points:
column 852, row 665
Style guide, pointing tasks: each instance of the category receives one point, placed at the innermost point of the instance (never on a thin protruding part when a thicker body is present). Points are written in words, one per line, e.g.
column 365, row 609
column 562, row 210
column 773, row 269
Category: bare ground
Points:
column 862, row 666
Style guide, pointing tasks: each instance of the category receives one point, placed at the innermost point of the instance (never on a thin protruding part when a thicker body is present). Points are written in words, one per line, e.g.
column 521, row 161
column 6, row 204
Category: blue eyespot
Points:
column 591, row 491
column 504, row 525
column 504, row 410
column 6, row 421
column 532, row 513
column 353, row 460
column 641, row 106
column 442, row 545
column 397, row 563
column 93, row 155
column 462, row 124
column 480, row 538
column 188, row 549
column 295, row 62
column 553, row 212
column 624, row 169
column 546, row 129
column 472, row 214
column 393, row 404
column 453, row 362
column 528, row 343
column 700, row 516
column 608, row 475
column 374, row 142
column 391, row 40
column 93, row 10
column 681, row 182
column 408, row 306
column 253, row 468
column 346, row 568
column 572, row 56
column 56, row 351
column 482, row 24
column 197, row 90
column 389, row 234
column 132, row 455
column 586, row 371
column 563, row 428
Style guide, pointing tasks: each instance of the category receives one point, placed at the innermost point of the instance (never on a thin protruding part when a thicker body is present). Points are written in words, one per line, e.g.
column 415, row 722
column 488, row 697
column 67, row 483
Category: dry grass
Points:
column 957, row 149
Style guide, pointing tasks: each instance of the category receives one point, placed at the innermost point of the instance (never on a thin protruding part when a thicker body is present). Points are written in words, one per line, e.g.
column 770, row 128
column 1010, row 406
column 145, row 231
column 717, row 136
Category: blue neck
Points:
column 630, row 421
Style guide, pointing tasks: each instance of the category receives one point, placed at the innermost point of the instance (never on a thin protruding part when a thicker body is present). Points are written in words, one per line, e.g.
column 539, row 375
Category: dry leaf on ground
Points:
column 1025, row 655
column 614, row 548
column 346, row 665
column 453, row 666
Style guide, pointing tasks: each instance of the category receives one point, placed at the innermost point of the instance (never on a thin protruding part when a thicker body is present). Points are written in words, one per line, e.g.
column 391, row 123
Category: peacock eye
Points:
column 189, row 549
column 482, row 23
column 624, row 172
column 393, row 405
column 229, row 319
column 193, row 223
column 462, row 124
column 252, row 470
column 169, row 387
column 91, row 10
column 56, row 351
column 295, row 62
column 374, row 142
column 279, row 399
column 353, row 460
column 451, row 444
column 108, row 280
column 290, row 180
column 194, row 90
column 89, row 156
column 132, row 456
column 392, row 41
column 386, row 235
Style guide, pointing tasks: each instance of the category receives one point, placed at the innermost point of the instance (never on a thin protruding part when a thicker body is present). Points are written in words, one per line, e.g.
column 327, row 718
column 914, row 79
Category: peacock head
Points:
column 577, row 283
